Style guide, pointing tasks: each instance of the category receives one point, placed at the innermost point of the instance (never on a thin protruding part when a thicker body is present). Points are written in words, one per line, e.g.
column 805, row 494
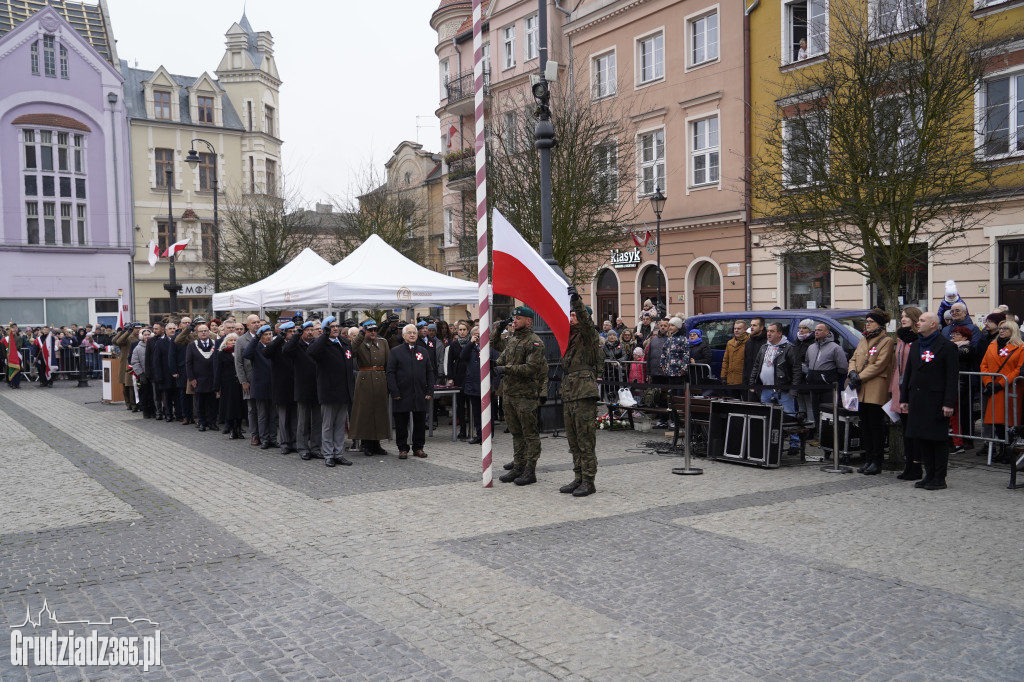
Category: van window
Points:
column 783, row 322
column 854, row 323
column 716, row 332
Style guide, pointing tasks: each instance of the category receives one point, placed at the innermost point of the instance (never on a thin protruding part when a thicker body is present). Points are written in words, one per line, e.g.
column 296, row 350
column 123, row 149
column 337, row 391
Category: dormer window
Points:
column 162, row 105
column 204, row 106
column 35, row 58
column 63, row 62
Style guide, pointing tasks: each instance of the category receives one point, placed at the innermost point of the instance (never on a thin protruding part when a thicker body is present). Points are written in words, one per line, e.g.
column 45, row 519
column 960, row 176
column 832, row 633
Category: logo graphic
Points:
column 404, row 294
column 61, row 646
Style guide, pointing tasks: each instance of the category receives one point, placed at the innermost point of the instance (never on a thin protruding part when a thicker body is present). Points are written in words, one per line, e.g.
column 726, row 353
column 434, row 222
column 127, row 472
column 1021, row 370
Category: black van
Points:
column 847, row 327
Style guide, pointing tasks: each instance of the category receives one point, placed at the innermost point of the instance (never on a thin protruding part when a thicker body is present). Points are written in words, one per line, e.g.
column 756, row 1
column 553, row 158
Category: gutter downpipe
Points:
column 747, row 150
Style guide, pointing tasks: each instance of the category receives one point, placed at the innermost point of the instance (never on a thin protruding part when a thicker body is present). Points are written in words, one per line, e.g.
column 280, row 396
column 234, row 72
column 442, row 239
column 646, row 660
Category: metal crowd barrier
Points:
column 1016, row 443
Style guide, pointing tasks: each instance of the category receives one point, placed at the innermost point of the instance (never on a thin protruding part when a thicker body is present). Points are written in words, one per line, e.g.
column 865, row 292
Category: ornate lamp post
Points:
column 172, row 287
column 193, row 160
column 658, row 205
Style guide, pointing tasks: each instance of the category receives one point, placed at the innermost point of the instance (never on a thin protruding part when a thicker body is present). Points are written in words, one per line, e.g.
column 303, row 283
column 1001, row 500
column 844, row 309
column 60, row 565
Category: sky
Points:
column 355, row 74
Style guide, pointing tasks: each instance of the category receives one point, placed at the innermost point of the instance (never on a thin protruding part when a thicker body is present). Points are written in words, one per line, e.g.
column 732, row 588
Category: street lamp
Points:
column 172, row 287
column 658, row 205
column 193, row 160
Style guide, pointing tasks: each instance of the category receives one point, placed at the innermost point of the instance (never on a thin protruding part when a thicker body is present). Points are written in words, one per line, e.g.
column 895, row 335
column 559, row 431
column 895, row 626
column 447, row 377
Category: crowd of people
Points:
column 306, row 385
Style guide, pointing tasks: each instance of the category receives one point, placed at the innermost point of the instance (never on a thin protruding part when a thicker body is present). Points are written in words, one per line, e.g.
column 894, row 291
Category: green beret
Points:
column 522, row 311
column 590, row 311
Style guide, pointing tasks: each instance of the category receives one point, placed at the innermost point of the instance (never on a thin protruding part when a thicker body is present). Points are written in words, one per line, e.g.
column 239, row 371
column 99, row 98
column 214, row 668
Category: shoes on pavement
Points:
column 872, row 469
column 419, row 453
column 404, row 454
column 307, row 455
column 569, row 487
column 528, row 476
column 475, row 440
column 512, row 475
column 957, row 450
column 936, row 485
column 255, row 440
column 509, row 466
column 342, row 461
column 288, row 450
column 586, row 488
column 924, row 482
column 329, row 461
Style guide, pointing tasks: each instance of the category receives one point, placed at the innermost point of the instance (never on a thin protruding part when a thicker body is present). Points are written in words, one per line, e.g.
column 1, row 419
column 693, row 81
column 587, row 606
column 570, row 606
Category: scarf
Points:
column 925, row 342
column 906, row 334
column 871, row 335
column 803, row 336
column 1001, row 342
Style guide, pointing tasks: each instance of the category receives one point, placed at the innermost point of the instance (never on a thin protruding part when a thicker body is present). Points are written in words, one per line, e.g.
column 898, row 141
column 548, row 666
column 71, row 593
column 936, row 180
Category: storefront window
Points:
column 913, row 282
column 808, row 280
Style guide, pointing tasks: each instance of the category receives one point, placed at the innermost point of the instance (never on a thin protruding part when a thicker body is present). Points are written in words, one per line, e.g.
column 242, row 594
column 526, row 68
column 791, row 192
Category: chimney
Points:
column 324, row 208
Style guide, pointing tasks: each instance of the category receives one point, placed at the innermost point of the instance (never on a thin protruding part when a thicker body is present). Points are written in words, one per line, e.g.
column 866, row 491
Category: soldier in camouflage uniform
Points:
column 524, row 373
column 581, row 365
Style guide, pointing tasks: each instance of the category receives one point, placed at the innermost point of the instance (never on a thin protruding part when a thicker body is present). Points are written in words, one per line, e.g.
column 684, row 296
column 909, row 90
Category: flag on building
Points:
column 520, row 272
column 154, row 252
column 452, row 130
column 175, row 248
column 13, row 357
column 637, row 240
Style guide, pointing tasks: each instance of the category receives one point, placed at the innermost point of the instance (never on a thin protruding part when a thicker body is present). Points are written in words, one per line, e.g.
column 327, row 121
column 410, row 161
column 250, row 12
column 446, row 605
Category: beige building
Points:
column 236, row 110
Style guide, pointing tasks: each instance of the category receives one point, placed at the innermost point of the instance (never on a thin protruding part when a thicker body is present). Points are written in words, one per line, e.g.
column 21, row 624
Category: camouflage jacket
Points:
column 583, row 360
column 525, row 373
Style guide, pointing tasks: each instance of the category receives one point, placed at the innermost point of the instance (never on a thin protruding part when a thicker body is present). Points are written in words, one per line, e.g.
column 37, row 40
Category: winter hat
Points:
column 638, row 352
column 878, row 316
column 951, row 292
column 996, row 317
column 807, row 323
column 676, row 322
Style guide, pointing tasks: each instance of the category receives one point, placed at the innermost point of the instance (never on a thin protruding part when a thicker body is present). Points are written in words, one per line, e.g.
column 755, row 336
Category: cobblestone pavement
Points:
column 259, row 566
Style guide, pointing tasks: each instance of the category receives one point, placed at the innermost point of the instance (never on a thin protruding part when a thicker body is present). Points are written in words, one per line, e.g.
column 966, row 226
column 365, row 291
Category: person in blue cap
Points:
column 259, row 385
column 309, row 421
column 524, row 372
column 335, row 388
column 282, row 386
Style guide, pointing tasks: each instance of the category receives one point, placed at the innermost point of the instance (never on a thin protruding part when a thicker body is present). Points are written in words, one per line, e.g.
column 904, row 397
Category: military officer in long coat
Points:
column 581, row 366
column 369, row 422
column 309, row 420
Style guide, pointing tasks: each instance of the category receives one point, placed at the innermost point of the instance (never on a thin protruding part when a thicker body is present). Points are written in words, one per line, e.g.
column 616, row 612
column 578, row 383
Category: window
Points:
column 63, row 62
column 164, row 164
column 531, row 38
column 81, row 224
column 49, row 223
column 808, row 278
column 163, row 235
column 271, row 169
column 78, row 153
column 32, row 219
column 650, row 58
column 508, row 46
column 252, row 175
column 162, row 105
column 204, row 107
column 1003, row 112
column 801, row 136
column 62, row 151
column 65, row 223
column 207, row 170
column 445, row 75
column 29, row 137
column 704, row 39
column 603, row 69
column 209, row 242
column 449, row 227
column 705, row 151
column 806, row 21
column 268, row 113
column 485, row 61
column 511, row 132
column 913, row 289
column 652, row 162
column 248, row 106
column 49, row 57
column 896, row 129
column 607, row 172
column 895, row 16
column 35, row 58
column 46, row 149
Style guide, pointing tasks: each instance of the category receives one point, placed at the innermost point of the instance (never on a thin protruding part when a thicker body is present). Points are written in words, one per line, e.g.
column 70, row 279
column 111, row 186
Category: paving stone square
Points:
column 260, row 566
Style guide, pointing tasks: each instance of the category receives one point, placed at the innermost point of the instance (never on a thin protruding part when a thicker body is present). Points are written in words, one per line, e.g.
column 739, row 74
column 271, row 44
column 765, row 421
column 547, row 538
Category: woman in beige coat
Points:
column 870, row 369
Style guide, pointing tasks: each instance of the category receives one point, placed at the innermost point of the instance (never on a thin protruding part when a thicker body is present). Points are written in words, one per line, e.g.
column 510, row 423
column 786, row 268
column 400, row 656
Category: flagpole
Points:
column 486, row 442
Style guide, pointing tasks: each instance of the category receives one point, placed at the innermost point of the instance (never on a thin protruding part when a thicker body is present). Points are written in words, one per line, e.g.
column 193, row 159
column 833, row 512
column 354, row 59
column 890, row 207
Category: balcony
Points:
column 461, row 170
column 461, row 93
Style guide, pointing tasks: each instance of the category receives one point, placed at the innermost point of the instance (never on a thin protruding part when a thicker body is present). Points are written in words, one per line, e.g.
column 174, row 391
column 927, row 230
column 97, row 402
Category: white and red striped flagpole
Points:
column 481, row 244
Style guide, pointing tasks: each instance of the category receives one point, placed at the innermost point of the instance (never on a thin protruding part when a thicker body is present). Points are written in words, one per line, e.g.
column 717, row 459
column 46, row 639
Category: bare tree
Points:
column 258, row 235
column 873, row 152
column 593, row 175
column 380, row 206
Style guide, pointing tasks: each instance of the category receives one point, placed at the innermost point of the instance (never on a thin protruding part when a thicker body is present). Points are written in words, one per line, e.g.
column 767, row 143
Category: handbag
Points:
column 849, row 398
column 626, row 398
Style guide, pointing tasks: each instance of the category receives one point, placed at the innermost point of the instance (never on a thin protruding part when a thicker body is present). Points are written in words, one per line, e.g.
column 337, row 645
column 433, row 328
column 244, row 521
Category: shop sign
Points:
column 196, row 289
column 628, row 258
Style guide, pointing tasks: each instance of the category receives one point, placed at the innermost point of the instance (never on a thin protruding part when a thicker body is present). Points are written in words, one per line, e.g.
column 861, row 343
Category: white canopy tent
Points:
column 376, row 276
column 306, row 265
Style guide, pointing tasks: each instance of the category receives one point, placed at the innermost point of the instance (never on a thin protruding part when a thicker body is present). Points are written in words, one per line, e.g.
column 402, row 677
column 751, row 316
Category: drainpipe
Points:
column 747, row 150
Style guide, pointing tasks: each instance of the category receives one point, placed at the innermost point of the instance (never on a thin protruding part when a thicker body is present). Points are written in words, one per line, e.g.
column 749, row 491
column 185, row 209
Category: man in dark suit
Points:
column 928, row 394
column 309, row 420
column 410, row 376
column 282, row 386
column 335, row 387
column 199, row 369
column 259, row 386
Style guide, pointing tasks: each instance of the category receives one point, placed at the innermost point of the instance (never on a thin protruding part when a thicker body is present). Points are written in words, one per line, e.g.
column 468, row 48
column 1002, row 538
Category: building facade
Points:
column 65, row 194
column 988, row 262
column 236, row 111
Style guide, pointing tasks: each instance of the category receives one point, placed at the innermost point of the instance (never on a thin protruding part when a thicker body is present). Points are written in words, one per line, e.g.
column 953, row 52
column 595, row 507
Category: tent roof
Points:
column 375, row 275
column 308, row 264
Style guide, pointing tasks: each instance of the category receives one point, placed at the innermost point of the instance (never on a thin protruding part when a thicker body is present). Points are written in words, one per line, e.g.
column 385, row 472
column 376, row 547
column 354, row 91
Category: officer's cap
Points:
column 369, row 324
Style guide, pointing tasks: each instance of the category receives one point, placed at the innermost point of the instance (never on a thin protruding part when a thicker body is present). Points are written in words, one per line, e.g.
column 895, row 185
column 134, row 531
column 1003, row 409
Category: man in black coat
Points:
column 758, row 337
column 157, row 365
column 282, row 385
column 928, row 394
column 335, row 386
column 200, row 370
column 176, row 369
column 259, row 386
column 410, row 376
column 309, row 420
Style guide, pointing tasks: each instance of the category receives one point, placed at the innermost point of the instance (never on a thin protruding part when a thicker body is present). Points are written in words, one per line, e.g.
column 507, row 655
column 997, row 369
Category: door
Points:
column 607, row 297
column 1011, row 274
column 707, row 290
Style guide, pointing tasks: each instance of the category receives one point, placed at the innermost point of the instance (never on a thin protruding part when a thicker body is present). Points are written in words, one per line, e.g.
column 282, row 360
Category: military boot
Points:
column 586, row 488
column 527, row 476
column 512, row 475
column 569, row 487
column 509, row 467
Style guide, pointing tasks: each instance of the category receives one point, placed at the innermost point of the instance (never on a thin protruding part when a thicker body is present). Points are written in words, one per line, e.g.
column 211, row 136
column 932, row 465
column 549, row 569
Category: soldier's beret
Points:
column 421, row 323
column 523, row 311
column 432, row 326
column 287, row 325
column 264, row 328
column 590, row 311
column 307, row 325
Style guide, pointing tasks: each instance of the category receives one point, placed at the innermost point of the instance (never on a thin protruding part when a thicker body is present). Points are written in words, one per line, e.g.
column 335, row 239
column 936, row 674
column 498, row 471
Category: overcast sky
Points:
column 355, row 74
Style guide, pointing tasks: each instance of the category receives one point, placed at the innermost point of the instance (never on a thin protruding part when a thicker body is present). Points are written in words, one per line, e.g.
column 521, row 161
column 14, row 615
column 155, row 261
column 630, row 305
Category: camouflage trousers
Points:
column 581, row 430
column 521, row 416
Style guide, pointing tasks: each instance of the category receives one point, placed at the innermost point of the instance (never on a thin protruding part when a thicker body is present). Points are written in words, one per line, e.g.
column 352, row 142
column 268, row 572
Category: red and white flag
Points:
column 175, row 248
column 636, row 239
column 121, row 310
column 451, row 135
column 154, row 252
column 520, row 272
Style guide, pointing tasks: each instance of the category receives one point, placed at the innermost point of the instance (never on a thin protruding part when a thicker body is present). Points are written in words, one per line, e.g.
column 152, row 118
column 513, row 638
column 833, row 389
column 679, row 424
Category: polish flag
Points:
column 175, row 248
column 154, row 252
column 121, row 308
column 520, row 272
column 636, row 239
column 451, row 135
